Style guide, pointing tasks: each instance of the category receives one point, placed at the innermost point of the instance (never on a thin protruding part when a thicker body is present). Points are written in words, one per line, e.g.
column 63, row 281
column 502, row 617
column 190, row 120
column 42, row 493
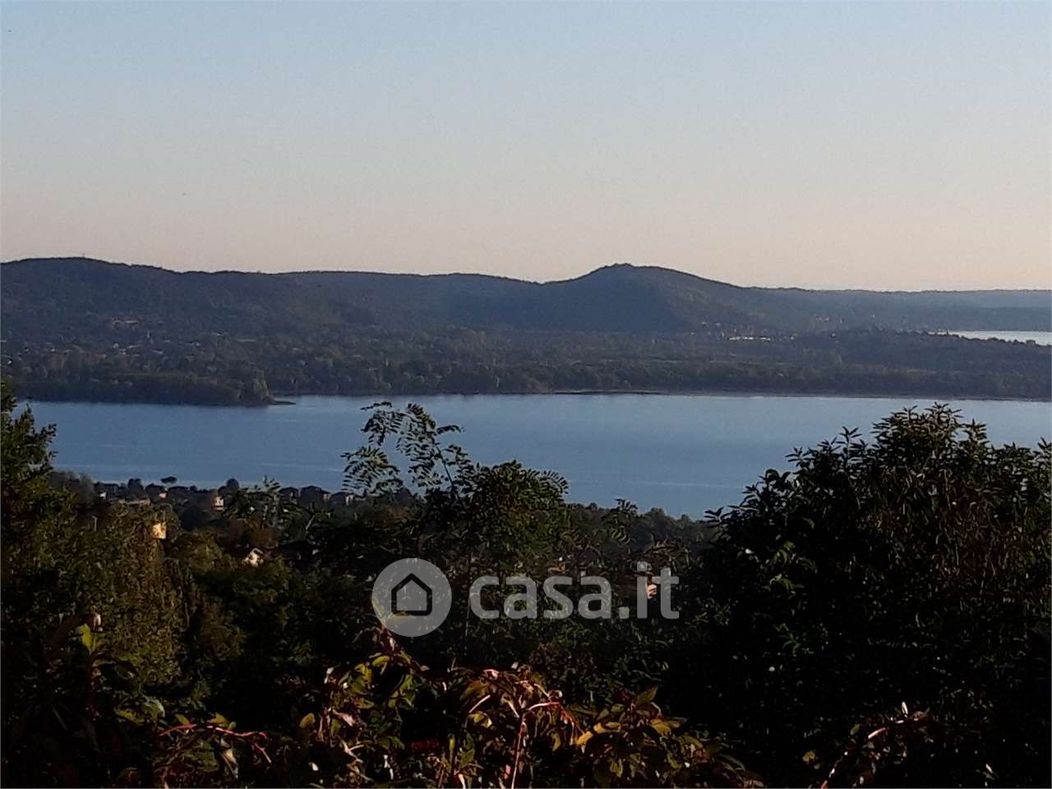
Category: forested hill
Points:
column 81, row 329
column 50, row 299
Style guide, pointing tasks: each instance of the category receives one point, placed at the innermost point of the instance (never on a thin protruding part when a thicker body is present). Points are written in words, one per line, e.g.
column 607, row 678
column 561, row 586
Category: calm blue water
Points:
column 1038, row 337
column 681, row 453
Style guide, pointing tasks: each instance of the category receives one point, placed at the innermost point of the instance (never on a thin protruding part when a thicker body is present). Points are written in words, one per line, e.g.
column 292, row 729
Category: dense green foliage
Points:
column 80, row 329
column 877, row 615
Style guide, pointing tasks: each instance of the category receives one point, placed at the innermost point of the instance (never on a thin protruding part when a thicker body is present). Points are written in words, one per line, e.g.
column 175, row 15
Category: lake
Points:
column 1037, row 337
column 685, row 454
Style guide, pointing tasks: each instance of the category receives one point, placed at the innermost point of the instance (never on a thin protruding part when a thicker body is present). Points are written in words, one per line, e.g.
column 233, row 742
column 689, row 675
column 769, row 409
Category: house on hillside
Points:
column 341, row 499
column 107, row 490
column 314, row 496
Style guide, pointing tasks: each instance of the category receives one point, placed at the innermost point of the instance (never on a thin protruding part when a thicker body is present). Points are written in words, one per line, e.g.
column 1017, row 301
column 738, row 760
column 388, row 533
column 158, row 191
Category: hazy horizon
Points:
column 866, row 146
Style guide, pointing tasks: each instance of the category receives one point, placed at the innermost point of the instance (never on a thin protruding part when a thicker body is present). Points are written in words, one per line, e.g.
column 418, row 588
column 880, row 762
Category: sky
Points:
column 885, row 145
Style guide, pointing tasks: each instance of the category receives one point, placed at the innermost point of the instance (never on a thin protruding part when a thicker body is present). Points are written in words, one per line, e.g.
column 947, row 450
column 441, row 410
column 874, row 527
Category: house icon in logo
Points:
column 412, row 597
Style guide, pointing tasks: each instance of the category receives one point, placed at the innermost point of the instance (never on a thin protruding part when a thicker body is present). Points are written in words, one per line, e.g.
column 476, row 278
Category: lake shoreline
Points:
column 291, row 399
column 685, row 454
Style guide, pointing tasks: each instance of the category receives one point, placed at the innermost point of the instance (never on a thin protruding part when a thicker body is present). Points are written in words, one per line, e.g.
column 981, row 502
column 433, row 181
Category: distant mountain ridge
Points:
column 61, row 297
column 79, row 329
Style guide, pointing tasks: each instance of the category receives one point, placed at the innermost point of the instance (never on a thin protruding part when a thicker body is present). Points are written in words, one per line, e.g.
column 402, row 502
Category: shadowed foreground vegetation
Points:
column 876, row 615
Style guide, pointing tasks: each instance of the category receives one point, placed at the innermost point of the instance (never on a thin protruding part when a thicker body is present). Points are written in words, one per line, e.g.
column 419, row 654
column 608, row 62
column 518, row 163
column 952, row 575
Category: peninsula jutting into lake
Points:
column 525, row 395
column 79, row 329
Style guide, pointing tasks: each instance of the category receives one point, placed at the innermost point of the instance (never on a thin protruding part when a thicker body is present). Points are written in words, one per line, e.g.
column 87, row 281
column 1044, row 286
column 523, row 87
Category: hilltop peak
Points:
column 634, row 270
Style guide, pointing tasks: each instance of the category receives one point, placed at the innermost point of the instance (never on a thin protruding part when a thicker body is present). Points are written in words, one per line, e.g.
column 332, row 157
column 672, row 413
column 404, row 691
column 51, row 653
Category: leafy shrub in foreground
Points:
column 878, row 615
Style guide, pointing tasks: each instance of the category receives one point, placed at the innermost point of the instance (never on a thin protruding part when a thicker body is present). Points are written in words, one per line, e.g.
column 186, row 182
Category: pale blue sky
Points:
column 890, row 145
